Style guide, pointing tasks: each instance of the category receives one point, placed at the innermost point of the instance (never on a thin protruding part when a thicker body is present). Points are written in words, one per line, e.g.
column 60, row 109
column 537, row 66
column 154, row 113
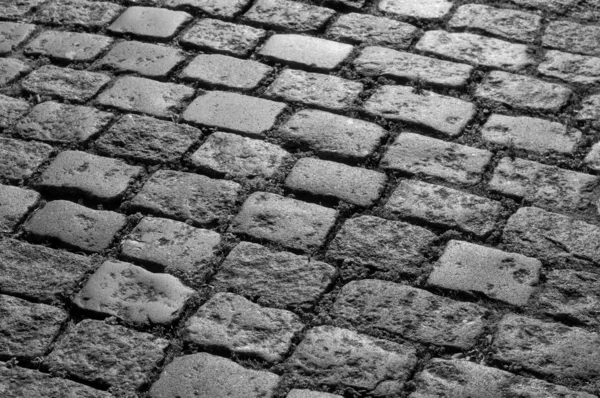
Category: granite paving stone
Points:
column 340, row 357
column 11, row 69
column 444, row 207
column 590, row 109
column 109, row 355
column 300, row 393
column 20, row 159
column 66, row 83
column 93, row 14
column 149, row 22
column 225, row 154
column 216, row 8
column 75, row 226
column 223, row 37
column 207, row 376
column 411, row 313
column 417, row 154
column 231, row 322
column 547, row 348
column 331, row 136
column 11, row 110
column 274, row 279
column 288, row 15
column 404, row 66
column 18, row 9
column 166, row 245
column 355, row 4
column 15, row 204
column 443, row 114
column 369, row 29
column 68, row 46
column 475, row 49
column 592, row 159
column 551, row 5
column 59, row 123
column 289, row 222
column 420, row 9
column 572, row 68
column 392, row 247
column 13, row 34
column 27, row 329
column 186, row 196
column 305, row 51
column 314, row 89
column 572, row 37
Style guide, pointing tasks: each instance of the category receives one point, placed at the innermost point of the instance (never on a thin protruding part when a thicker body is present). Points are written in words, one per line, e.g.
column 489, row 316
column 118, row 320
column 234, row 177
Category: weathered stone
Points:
column 215, row 8
column 288, row 15
column 552, row 5
column 11, row 110
column 275, row 279
column 297, row 393
column 21, row 159
column 335, row 356
column 11, row 69
column 66, row 83
column 149, row 22
column 241, row 327
column 68, row 46
column 13, row 34
column 572, row 37
column 411, row 313
column 572, row 68
column 223, row 37
column 369, row 29
column 15, row 203
column 590, row 109
column 18, row 9
column 592, row 159
column 421, row 9
column 444, row 207
column 92, row 14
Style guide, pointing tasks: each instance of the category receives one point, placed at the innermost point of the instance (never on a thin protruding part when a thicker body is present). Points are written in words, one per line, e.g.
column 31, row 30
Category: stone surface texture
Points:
column 15, row 203
column 369, row 29
column 68, row 46
column 572, row 68
column 427, row 9
column 11, row 69
column 223, row 37
column 11, row 109
column 20, row 159
column 149, row 60
column 288, row 15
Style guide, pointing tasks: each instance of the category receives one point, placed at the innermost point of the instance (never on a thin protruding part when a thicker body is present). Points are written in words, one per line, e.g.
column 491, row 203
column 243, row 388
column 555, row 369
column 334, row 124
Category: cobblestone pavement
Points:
column 299, row 199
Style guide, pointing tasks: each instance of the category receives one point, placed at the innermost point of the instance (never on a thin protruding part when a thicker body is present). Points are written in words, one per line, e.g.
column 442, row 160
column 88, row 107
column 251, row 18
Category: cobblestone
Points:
column 11, row 69
column 298, row 393
column 552, row 5
column 148, row 22
column 369, row 29
column 243, row 328
column 590, row 110
column 215, row 8
column 223, row 37
column 18, row 9
column 572, row 68
column 77, row 12
column 15, row 204
column 592, row 159
column 11, row 110
column 421, row 9
column 572, row 37
column 288, row 15
column 21, row 159
column 66, row 83
column 68, row 46
column 13, row 34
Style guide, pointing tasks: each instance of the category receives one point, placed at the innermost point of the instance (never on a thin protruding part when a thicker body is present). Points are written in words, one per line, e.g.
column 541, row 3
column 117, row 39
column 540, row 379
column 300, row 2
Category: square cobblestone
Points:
column 215, row 8
column 572, row 37
column 18, row 9
column 77, row 12
column 13, row 34
column 11, row 110
column 11, row 69
column 149, row 22
column 572, row 68
column 288, row 15
column 420, row 9
column 20, row 159
column 15, row 204
column 223, row 37
column 364, row 28
column 68, row 46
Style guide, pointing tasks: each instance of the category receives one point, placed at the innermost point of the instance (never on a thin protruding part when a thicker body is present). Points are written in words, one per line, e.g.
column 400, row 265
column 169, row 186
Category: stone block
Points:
column 68, row 46
column 223, row 37
column 92, row 14
column 288, row 15
column 419, row 9
column 15, row 10
column 11, row 110
column 298, row 393
column 369, row 29
column 68, row 84
column 149, row 22
column 15, row 204
column 215, row 8
column 572, row 37
column 11, row 69
column 572, row 68
column 590, row 109
column 20, row 159
column 13, row 34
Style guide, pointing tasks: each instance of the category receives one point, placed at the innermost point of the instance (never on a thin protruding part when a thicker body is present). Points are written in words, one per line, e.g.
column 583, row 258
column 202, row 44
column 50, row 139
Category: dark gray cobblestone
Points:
column 572, row 37
column 572, row 68
column 15, row 203
column 288, row 15
column 372, row 30
column 217, row 8
column 77, row 12
column 11, row 69
column 11, row 109
column 20, row 159
column 12, row 34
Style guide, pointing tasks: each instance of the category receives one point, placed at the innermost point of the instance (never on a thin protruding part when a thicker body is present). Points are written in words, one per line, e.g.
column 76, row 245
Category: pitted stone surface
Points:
column 167, row 245
column 531, row 134
column 447, row 115
column 21, row 159
column 77, row 12
column 314, row 89
column 330, row 135
column 297, row 393
column 68, row 46
column 393, row 247
column 13, row 34
column 131, row 93
column 508, row 277
column 411, row 313
column 66, row 83
column 15, row 203
column 552, row 5
column 187, row 196
column 336, row 356
column 207, row 376
column 112, row 355
column 241, row 327
column 227, row 154
column 11, row 69
column 475, row 49
column 545, row 186
column 27, row 329
column 17, row 9
column 75, row 226
column 572, row 37
column 420, row 9
column 288, row 15
column 572, row 68
column 354, row 185
column 133, row 294
column 289, row 222
column 62, row 123
column 369, row 29
column 234, row 112
column 274, row 279
column 445, row 207
column 148, row 22
column 379, row 61
column 590, row 110
column 145, row 139
column 547, row 348
column 592, row 159
column 223, row 37
column 417, row 154
column 305, row 51
column 11, row 110
column 217, row 8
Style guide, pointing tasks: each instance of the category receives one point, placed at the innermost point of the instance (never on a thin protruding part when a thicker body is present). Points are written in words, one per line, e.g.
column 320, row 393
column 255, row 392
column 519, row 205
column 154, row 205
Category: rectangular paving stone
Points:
column 572, row 37
column 75, row 226
column 18, row 9
column 446, row 115
column 417, row 154
column 592, row 159
column 228, row 321
column 13, row 34
column 547, row 348
column 475, row 49
column 590, row 109
column 215, row 8
column 11, row 110
column 572, row 68
column 187, row 196
column 288, row 15
column 404, row 66
column 544, row 186
column 444, row 207
column 77, row 12
column 410, row 313
column 150, row 22
column 68, row 46
column 340, row 357
column 314, row 89
column 288, row 222
column 20, row 159
column 420, row 9
column 11, row 69
column 15, row 204
column 364, row 28
column 274, row 279
column 551, row 5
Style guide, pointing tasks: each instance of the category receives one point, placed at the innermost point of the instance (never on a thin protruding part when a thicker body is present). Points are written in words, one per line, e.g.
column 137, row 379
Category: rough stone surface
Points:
column 15, row 203
column 445, row 207
column 187, row 196
column 68, row 46
column 336, row 356
column 551, row 5
column 18, row 9
column 572, row 68
column 547, row 348
column 417, row 154
column 75, row 226
column 313, row 89
column 11, row 69
column 111, row 355
column 288, row 15
column 20, row 159
column 27, row 329
column 216, row 8
column 148, row 22
column 572, row 37
column 167, row 245
column 411, row 313
column 475, row 49
column 207, row 376
column 590, row 110
column 223, row 37
column 298, row 393
column 420, row 9
column 231, row 322
column 289, row 222
column 330, row 135
column 77, row 12
column 274, row 279
column 62, row 123
column 13, row 34
column 11, row 110
column 364, row 28
column 446, row 115
column 225, row 154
